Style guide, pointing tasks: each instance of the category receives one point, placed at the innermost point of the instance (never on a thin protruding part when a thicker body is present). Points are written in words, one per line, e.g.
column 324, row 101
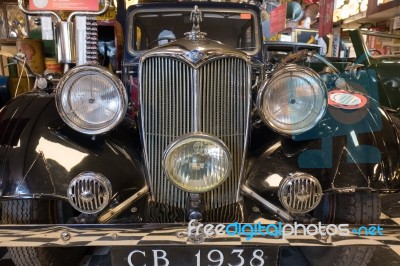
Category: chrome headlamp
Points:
column 91, row 100
column 197, row 162
column 293, row 100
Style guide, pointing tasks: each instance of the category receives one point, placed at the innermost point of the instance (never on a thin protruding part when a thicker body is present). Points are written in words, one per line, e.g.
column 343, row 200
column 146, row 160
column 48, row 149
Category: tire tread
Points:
column 26, row 211
column 353, row 208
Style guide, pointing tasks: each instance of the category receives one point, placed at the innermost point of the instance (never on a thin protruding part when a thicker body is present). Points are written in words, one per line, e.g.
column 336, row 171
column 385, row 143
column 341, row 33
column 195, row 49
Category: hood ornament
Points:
column 196, row 18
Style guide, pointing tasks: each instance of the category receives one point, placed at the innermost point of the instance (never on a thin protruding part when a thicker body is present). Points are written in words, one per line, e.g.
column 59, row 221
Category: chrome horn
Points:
column 67, row 37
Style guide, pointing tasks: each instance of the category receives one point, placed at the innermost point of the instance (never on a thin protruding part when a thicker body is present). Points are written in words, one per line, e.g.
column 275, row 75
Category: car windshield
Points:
column 381, row 43
column 236, row 29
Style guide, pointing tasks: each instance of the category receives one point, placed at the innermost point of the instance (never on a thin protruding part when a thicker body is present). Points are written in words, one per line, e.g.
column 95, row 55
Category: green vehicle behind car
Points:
column 386, row 67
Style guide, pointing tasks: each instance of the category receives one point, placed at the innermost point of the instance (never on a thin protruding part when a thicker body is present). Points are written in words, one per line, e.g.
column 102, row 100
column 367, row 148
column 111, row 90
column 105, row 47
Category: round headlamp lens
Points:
column 91, row 100
column 197, row 163
column 293, row 100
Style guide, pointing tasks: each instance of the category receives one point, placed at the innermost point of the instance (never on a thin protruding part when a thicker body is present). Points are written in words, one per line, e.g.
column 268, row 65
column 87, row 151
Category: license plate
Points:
column 194, row 255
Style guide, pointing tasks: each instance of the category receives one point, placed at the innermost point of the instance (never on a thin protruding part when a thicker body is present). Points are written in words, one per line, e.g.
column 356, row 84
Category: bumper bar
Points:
column 171, row 234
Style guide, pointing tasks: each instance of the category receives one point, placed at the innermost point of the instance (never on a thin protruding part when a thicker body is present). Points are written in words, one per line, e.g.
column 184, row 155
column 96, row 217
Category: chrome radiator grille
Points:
column 168, row 111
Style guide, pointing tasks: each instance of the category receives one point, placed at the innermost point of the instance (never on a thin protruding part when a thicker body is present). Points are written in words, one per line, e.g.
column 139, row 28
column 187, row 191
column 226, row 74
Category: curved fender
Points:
column 267, row 170
column 40, row 154
column 365, row 155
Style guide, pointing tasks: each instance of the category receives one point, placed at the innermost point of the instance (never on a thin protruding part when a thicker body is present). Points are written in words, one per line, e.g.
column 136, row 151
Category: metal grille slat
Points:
column 167, row 99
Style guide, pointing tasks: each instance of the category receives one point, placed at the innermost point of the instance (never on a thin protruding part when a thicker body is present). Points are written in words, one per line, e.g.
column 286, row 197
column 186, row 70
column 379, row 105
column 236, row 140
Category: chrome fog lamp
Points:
column 293, row 100
column 91, row 100
column 300, row 192
column 197, row 162
column 89, row 192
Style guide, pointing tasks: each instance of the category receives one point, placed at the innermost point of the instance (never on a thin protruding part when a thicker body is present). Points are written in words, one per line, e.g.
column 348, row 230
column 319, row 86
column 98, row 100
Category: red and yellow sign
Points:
column 73, row 5
column 278, row 19
column 326, row 17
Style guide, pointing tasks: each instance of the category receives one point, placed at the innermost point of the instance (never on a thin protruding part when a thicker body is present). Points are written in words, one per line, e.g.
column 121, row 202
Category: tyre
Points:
column 40, row 212
column 349, row 208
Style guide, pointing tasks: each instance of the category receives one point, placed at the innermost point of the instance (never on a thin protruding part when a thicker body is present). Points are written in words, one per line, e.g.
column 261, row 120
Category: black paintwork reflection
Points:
column 44, row 155
column 337, row 160
column 40, row 154
column 51, row 154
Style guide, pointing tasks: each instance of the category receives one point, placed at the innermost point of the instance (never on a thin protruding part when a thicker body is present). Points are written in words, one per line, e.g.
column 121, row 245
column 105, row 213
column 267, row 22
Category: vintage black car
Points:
column 194, row 133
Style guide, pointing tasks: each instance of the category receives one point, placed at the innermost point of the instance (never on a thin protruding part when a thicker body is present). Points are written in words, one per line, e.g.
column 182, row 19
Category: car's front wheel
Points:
column 345, row 208
column 28, row 211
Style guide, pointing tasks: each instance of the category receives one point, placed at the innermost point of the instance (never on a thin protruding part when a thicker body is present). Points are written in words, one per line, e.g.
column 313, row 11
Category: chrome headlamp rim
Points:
column 276, row 74
column 200, row 135
column 108, row 75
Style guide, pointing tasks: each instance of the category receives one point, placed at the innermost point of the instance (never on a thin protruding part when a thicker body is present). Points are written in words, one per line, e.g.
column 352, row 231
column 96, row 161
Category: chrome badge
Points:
column 195, row 56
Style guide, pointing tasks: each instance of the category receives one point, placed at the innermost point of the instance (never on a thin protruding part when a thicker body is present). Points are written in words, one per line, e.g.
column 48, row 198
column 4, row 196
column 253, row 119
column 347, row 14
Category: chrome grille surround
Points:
column 89, row 192
column 300, row 192
column 179, row 96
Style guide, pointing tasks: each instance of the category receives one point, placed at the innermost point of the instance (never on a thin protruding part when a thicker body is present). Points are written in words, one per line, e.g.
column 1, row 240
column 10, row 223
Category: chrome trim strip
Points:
column 271, row 150
column 171, row 53
column 196, row 101
column 278, row 211
column 34, row 196
column 142, row 135
column 247, row 135
column 111, row 213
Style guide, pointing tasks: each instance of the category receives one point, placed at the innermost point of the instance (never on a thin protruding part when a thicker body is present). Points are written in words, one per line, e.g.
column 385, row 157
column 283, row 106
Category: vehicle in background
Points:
column 385, row 62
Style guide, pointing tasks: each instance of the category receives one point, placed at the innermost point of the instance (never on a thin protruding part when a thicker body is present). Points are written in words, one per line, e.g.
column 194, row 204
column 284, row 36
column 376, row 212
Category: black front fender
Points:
column 40, row 154
column 367, row 159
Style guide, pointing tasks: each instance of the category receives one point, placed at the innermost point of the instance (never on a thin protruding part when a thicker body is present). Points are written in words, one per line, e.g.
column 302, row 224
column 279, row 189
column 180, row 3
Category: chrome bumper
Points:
column 170, row 235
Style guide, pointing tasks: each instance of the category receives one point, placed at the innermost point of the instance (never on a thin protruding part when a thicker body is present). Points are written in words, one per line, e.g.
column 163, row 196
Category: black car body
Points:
column 206, row 102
